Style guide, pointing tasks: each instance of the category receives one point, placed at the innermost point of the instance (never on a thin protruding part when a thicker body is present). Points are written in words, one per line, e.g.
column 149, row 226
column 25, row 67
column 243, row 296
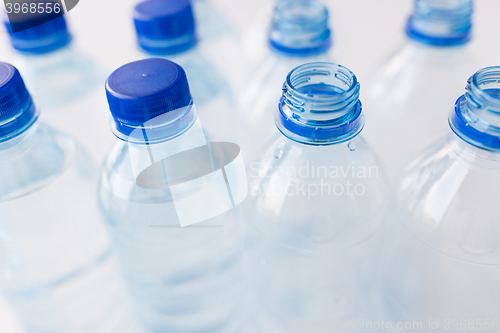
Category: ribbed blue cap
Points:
column 17, row 111
column 144, row 90
column 165, row 26
column 40, row 38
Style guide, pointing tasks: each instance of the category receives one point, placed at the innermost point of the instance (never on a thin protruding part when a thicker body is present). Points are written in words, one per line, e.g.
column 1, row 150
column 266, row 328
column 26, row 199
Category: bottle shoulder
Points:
column 447, row 198
column 38, row 159
column 318, row 192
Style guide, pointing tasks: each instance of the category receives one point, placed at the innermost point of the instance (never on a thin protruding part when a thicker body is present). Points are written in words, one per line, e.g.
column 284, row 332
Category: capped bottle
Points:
column 62, row 80
column 57, row 269
column 167, row 29
column 170, row 199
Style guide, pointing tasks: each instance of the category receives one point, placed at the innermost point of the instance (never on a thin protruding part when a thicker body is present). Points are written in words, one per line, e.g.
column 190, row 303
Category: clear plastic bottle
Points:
column 317, row 199
column 299, row 34
column 56, row 267
column 185, row 276
column 63, row 81
column 166, row 29
column 419, row 81
column 442, row 255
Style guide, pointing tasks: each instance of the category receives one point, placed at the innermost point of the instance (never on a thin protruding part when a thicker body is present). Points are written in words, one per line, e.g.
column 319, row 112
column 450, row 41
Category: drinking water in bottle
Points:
column 409, row 95
column 315, row 208
column 57, row 270
column 299, row 33
column 169, row 196
column 441, row 260
column 61, row 78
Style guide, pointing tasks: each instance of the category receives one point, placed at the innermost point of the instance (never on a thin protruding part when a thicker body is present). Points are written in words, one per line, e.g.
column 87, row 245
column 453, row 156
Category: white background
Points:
column 365, row 32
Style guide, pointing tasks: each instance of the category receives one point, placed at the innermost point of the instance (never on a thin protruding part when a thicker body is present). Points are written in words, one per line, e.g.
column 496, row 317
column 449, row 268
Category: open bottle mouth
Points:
column 320, row 104
column 476, row 117
column 441, row 22
column 300, row 28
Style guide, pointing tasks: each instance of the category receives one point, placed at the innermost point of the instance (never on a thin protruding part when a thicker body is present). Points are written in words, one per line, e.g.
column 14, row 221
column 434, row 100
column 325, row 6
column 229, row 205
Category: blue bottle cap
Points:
column 151, row 94
column 17, row 111
column 42, row 38
column 300, row 28
column 441, row 23
column 165, row 26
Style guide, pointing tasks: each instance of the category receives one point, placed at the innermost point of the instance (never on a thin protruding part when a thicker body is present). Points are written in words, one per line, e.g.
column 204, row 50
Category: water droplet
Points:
column 351, row 146
column 278, row 153
column 263, row 262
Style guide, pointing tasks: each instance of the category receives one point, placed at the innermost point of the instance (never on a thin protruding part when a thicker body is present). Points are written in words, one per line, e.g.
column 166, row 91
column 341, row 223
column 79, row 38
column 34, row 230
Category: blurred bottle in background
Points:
column 409, row 96
column 62, row 80
column 317, row 199
column 56, row 268
column 442, row 252
column 299, row 33
column 219, row 39
column 211, row 23
column 185, row 276
column 167, row 29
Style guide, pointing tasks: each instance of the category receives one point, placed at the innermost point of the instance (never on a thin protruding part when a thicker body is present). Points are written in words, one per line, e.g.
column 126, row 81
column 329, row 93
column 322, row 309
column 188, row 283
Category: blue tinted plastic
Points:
column 17, row 111
column 41, row 39
column 300, row 28
column 320, row 104
column 476, row 117
column 165, row 26
column 145, row 89
column 441, row 23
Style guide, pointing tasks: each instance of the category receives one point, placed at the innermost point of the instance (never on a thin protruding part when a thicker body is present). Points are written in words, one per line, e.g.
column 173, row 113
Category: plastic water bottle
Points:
column 166, row 28
column 442, row 259
column 315, row 208
column 175, row 231
column 299, row 33
column 63, row 81
column 56, row 73
column 56, row 268
column 420, row 81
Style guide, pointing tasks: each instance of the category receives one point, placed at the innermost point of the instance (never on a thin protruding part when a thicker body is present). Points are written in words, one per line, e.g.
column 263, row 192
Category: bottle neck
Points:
column 53, row 58
column 320, row 105
column 160, row 129
column 476, row 116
